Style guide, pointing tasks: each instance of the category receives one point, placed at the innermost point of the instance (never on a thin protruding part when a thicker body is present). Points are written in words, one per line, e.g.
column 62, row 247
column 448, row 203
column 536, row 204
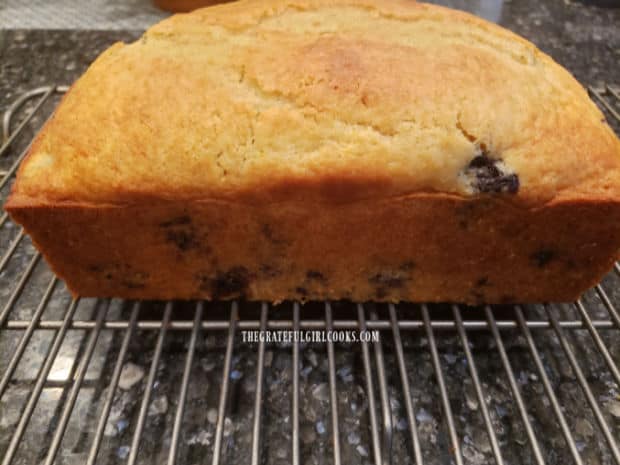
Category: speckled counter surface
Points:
column 586, row 40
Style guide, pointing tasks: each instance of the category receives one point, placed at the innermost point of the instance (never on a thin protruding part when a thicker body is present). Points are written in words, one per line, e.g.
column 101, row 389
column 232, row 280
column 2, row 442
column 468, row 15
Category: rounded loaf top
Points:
column 327, row 100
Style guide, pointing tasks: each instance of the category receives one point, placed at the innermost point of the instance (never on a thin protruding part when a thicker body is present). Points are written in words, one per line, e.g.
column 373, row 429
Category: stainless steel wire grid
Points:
column 105, row 381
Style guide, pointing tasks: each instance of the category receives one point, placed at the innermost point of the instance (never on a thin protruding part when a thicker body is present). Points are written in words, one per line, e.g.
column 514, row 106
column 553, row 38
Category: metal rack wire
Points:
column 582, row 340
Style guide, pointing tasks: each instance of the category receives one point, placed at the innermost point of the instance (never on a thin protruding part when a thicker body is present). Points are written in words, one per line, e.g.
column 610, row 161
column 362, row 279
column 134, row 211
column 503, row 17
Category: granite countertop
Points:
column 583, row 38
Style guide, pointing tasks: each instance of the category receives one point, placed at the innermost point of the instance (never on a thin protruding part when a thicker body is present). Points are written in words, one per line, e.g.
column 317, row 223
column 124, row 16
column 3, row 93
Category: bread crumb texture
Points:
column 339, row 100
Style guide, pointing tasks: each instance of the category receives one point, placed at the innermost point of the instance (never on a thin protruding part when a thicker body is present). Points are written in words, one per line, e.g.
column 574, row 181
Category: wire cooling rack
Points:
column 106, row 381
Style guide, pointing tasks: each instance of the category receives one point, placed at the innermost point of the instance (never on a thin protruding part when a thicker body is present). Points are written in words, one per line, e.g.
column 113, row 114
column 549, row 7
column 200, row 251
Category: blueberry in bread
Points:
column 325, row 149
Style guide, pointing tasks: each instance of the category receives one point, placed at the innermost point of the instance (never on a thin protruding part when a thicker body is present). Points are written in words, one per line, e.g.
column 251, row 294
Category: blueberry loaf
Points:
column 325, row 149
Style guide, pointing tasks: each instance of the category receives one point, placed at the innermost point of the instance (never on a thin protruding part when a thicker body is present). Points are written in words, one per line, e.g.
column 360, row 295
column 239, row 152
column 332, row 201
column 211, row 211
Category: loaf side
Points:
column 421, row 248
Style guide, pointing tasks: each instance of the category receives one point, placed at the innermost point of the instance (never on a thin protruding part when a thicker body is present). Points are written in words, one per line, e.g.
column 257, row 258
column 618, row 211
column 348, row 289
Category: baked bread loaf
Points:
column 325, row 149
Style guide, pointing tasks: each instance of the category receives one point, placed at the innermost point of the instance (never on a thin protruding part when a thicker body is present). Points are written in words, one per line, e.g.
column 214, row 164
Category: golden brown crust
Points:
column 413, row 248
column 239, row 101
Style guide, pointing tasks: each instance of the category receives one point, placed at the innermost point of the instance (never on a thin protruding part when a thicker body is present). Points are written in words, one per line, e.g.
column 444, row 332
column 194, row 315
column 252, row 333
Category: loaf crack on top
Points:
column 272, row 100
